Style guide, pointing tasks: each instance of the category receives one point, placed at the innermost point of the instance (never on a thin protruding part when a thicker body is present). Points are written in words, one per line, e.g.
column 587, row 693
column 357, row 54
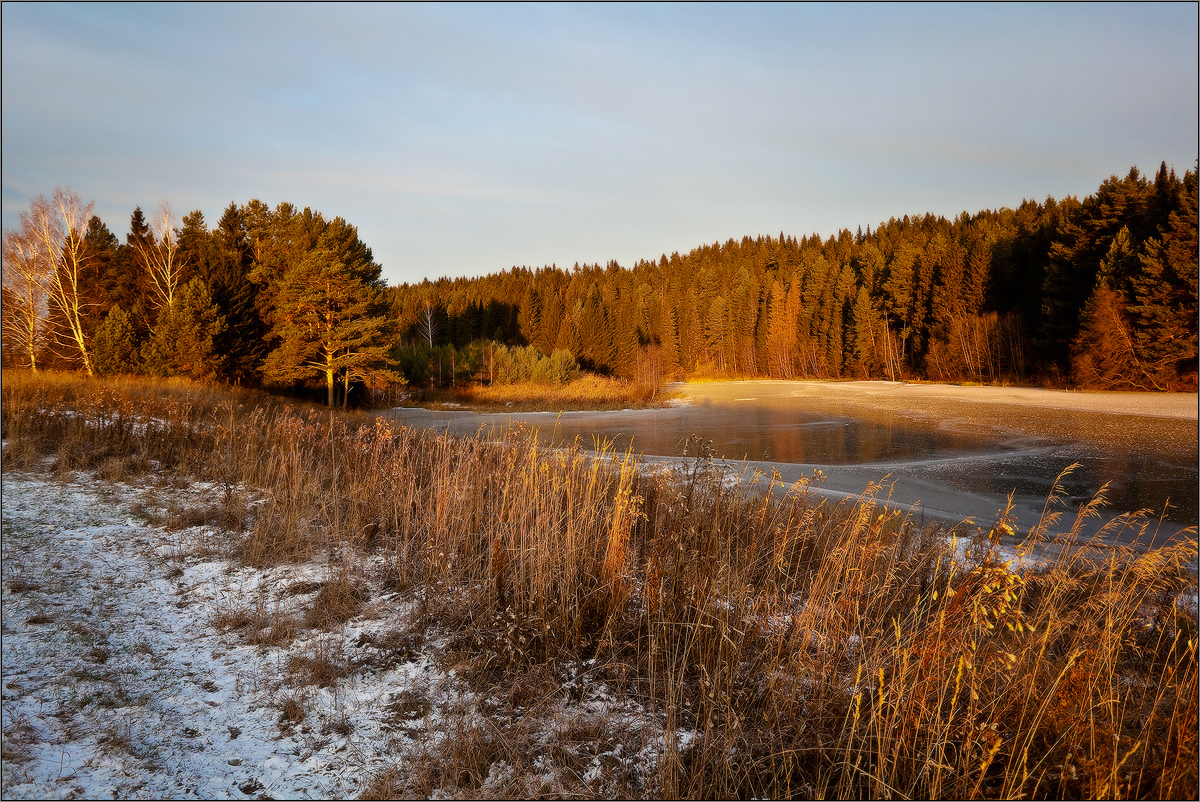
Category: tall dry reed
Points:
column 786, row 646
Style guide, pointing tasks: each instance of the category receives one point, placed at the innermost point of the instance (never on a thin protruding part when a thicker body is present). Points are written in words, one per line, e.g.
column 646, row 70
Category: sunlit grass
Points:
column 587, row 392
column 803, row 648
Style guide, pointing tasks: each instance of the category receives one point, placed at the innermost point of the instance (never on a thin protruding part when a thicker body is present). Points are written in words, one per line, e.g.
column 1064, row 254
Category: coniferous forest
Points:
column 1099, row 292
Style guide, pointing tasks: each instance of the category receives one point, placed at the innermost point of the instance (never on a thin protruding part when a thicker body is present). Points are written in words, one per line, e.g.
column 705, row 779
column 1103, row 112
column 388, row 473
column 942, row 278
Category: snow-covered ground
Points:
column 117, row 681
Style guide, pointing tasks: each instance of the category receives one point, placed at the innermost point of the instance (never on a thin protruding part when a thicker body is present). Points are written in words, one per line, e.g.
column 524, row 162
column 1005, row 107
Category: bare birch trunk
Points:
column 161, row 260
column 57, row 227
column 25, row 278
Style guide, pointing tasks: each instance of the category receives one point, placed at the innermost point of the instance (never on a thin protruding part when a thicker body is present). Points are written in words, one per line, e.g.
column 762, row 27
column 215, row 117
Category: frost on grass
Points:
column 137, row 662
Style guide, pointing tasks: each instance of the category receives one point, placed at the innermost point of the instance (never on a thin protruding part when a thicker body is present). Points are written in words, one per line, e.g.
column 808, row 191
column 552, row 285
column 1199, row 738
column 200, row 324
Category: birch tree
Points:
column 25, row 283
column 161, row 259
column 54, row 232
column 427, row 323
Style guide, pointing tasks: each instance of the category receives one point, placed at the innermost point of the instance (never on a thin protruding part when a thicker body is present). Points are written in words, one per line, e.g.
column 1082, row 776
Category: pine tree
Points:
column 670, row 343
column 99, row 281
column 975, row 280
column 898, row 291
column 1164, row 313
column 329, row 317
column 114, row 279
column 1163, row 295
column 195, row 245
column 781, row 334
column 132, row 277
column 945, row 301
column 530, row 315
column 1084, row 237
column 863, row 330
column 715, row 333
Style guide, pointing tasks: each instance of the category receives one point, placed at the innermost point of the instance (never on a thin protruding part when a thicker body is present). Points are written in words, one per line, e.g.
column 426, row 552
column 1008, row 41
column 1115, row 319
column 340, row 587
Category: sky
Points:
column 467, row 139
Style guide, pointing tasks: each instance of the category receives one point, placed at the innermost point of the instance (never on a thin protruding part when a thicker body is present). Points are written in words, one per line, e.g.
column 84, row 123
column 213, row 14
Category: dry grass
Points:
column 323, row 665
column 261, row 625
column 387, row 784
column 587, row 392
column 337, row 602
column 293, row 707
column 805, row 649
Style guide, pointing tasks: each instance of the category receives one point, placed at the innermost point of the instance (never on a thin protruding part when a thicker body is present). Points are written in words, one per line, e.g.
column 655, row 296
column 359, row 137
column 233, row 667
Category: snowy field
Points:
column 118, row 682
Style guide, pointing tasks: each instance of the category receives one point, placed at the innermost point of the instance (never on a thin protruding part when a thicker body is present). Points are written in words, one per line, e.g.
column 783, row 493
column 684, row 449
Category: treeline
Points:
column 1099, row 292
column 280, row 297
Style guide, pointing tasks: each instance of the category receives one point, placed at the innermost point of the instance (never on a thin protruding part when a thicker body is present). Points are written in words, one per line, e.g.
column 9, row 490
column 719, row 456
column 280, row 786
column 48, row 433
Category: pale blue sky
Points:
column 463, row 140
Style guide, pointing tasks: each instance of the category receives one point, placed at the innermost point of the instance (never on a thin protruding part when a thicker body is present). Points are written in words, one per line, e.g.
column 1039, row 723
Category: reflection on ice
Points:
column 955, row 458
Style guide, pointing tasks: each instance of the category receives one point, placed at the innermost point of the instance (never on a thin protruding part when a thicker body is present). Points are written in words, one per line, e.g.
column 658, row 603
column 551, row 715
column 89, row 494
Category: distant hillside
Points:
column 1099, row 292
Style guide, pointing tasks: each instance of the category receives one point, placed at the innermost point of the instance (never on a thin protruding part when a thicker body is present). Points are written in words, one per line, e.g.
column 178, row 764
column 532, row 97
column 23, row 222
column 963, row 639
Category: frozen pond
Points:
column 956, row 452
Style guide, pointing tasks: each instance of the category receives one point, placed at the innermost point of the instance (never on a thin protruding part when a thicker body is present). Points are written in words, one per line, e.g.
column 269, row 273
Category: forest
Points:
column 1099, row 292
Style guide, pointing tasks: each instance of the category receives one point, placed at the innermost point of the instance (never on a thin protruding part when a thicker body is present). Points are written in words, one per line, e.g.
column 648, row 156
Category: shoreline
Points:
column 890, row 395
column 1024, row 424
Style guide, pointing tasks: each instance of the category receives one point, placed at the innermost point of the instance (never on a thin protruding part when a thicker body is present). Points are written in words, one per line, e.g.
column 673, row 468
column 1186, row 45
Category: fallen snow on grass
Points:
column 139, row 662
column 115, row 681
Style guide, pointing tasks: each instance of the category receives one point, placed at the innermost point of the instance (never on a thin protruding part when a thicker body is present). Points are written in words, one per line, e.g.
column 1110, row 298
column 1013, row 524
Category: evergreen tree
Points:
column 898, row 290
column 329, row 317
column 195, row 246
column 101, row 282
column 781, row 334
column 182, row 341
column 131, row 279
column 116, row 344
column 670, row 343
column 975, row 279
column 530, row 315
column 863, row 332
column 1103, row 354
column 1164, row 312
column 139, row 230
column 228, row 276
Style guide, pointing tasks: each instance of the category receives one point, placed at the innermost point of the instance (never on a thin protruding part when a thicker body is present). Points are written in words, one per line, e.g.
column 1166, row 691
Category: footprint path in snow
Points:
column 114, row 683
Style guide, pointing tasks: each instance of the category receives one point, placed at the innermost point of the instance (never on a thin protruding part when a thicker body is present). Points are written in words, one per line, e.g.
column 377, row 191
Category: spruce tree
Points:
column 115, row 346
column 1102, row 355
column 863, row 345
column 228, row 276
column 182, row 341
column 100, row 280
